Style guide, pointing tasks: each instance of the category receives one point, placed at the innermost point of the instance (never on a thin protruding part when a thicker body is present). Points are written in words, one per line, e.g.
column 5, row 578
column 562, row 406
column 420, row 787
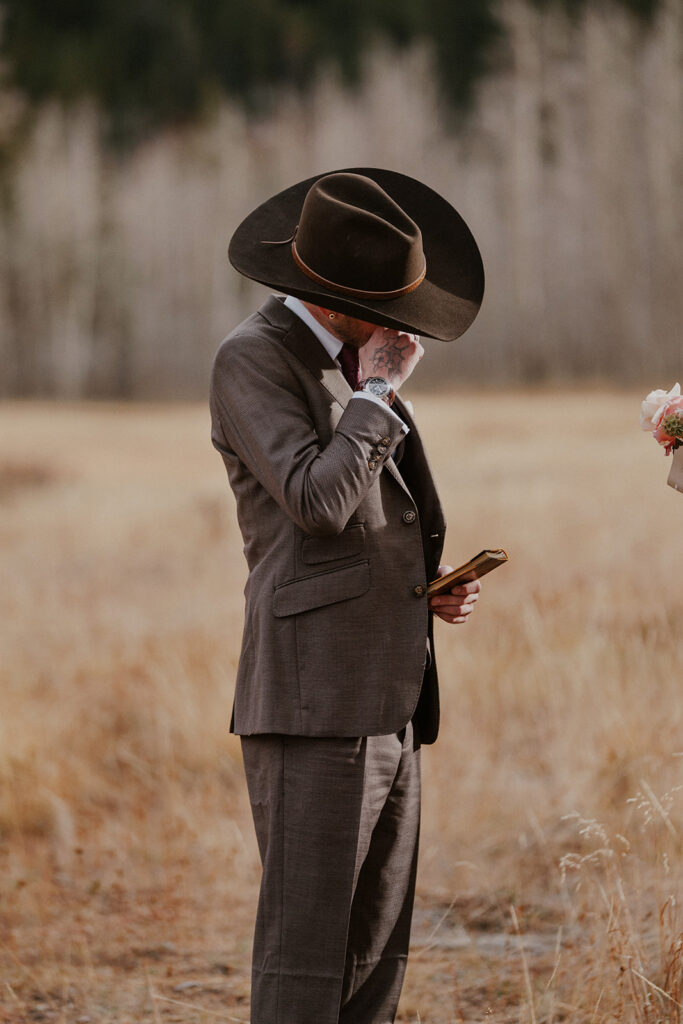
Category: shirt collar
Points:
column 332, row 345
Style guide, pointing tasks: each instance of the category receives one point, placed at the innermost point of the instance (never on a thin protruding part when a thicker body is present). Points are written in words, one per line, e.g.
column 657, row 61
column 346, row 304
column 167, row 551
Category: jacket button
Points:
column 381, row 448
column 386, row 440
column 372, row 463
column 409, row 516
column 420, row 590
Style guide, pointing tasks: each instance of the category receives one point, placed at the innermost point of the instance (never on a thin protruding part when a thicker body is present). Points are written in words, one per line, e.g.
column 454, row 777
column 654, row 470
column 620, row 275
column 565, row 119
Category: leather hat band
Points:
column 355, row 293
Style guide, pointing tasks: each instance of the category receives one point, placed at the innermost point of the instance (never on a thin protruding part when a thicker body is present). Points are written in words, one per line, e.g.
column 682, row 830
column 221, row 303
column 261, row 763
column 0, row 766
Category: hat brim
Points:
column 443, row 306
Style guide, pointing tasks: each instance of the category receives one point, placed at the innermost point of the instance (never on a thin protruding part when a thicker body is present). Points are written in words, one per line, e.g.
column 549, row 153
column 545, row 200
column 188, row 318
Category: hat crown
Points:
column 353, row 235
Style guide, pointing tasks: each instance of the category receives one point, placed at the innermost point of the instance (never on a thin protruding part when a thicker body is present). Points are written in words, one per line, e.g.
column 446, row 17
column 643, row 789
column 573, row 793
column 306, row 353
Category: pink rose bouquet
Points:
column 662, row 414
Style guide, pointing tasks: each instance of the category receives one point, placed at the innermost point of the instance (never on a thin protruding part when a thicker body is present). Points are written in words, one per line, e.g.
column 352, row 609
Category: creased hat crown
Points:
column 357, row 240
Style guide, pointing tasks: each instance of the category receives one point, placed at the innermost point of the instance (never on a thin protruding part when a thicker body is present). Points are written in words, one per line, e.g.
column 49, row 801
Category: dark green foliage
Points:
column 464, row 34
column 141, row 59
column 643, row 9
column 151, row 63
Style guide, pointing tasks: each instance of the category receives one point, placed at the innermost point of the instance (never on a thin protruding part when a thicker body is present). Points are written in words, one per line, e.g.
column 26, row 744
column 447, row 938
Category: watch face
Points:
column 378, row 386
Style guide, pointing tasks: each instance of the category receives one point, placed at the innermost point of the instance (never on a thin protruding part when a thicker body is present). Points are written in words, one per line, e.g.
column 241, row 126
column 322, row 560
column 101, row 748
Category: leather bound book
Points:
column 477, row 567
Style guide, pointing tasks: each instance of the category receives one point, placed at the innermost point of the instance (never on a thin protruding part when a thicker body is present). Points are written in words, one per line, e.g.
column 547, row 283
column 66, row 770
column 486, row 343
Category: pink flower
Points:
column 669, row 431
column 652, row 409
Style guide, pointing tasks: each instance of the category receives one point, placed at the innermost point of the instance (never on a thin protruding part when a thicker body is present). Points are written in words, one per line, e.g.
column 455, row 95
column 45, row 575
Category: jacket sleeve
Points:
column 261, row 414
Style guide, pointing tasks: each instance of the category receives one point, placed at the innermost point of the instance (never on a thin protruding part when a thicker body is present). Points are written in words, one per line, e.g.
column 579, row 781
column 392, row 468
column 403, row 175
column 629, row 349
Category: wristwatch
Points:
column 379, row 387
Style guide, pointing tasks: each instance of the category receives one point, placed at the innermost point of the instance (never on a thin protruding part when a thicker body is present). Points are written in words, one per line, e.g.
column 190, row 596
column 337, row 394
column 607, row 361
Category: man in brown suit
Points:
column 337, row 687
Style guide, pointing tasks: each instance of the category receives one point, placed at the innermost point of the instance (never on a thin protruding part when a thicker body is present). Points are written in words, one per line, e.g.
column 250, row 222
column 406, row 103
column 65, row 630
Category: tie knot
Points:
column 350, row 365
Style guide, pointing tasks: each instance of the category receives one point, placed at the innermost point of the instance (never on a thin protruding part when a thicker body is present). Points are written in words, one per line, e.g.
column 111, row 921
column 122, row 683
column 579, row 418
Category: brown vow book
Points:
column 478, row 566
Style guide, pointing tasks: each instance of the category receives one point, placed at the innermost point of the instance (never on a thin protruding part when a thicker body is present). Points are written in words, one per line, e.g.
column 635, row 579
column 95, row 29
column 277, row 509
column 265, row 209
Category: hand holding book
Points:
column 477, row 567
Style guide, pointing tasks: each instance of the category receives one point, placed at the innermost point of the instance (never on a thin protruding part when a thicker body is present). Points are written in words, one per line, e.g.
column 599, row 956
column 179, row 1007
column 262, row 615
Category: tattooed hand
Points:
column 390, row 354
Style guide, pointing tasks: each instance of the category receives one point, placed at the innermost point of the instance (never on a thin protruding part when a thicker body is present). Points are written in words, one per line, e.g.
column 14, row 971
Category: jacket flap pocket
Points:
column 326, row 549
column 322, row 589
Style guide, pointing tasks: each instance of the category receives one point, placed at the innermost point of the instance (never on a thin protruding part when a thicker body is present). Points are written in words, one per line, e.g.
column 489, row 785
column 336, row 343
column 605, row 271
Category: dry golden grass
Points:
column 128, row 871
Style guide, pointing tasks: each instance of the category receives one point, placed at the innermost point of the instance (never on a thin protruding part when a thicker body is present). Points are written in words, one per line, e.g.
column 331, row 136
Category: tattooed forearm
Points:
column 390, row 354
column 388, row 361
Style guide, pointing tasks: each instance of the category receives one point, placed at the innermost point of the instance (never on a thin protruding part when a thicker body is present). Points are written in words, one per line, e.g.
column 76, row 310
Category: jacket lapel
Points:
column 393, row 469
column 305, row 346
column 416, row 474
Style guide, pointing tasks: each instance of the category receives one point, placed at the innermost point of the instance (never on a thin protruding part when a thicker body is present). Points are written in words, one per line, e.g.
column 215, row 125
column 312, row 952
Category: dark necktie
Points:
column 348, row 360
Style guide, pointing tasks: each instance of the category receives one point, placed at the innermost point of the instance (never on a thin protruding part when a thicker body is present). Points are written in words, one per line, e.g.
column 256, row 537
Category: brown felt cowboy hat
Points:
column 374, row 244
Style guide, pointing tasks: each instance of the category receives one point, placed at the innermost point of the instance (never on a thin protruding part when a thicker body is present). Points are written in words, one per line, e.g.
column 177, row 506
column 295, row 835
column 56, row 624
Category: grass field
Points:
column 550, row 876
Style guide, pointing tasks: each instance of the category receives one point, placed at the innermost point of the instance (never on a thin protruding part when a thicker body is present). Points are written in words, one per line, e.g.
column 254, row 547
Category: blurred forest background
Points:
column 135, row 134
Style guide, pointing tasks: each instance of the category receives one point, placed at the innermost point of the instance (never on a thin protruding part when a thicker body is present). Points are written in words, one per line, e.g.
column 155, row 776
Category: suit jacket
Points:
column 339, row 543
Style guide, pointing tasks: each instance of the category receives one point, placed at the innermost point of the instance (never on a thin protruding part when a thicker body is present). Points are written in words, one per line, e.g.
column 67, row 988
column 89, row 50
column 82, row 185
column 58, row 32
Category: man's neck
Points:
column 331, row 344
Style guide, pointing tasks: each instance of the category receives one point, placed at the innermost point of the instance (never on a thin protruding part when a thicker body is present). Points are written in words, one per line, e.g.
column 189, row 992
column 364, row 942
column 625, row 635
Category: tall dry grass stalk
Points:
column 113, row 272
column 127, row 863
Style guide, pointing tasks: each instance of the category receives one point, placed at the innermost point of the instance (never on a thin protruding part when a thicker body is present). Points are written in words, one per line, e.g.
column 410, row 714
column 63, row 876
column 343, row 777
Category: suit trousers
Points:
column 337, row 823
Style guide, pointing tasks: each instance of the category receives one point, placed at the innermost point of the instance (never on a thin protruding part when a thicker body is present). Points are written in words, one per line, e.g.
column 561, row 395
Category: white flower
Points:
column 652, row 409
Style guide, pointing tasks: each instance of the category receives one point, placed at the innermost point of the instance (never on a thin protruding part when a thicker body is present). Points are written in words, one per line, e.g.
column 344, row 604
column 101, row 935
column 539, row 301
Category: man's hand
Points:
column 458, row 604
column 390, row 354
